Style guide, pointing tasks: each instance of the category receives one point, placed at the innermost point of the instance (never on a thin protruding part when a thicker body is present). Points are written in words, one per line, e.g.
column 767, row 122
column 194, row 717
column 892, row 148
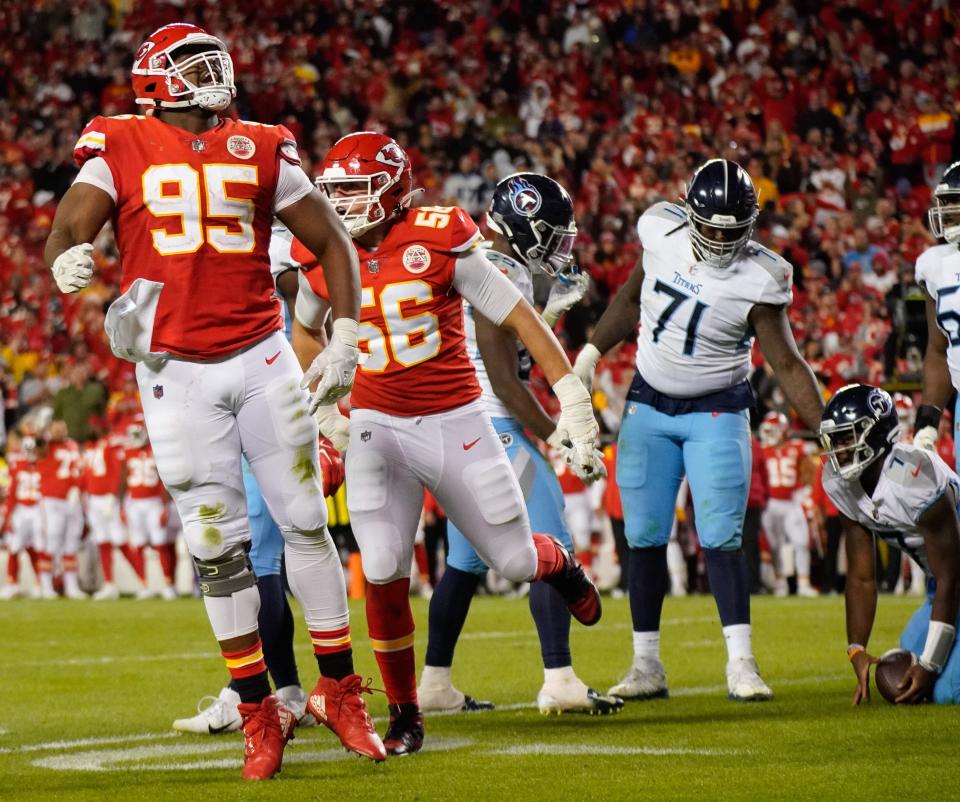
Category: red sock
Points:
column 69, row 562
column 44, row 563
column 168, row 561
column 390, row 624
column 34, row 558
column 134, row 555
column 334, row 652
column 106, row 561
column 13, row 568
column 550, row 559
column 248, row 672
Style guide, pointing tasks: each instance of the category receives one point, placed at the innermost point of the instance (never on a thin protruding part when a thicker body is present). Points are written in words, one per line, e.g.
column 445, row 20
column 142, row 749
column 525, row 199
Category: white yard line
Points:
column 563, row 750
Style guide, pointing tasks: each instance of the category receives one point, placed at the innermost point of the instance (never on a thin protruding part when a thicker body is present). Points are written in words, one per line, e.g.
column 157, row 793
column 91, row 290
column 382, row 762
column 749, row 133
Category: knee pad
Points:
column 213, row 521
column 306, row 509
column 520, row 566
column 495, row 490
column 288, row 409
column 172, row 451
column 226, row 575
column 367, row 488
column 384, row 558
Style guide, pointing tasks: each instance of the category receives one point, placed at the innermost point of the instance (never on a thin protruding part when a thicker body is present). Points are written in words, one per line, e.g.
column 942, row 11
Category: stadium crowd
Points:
column 843, row 113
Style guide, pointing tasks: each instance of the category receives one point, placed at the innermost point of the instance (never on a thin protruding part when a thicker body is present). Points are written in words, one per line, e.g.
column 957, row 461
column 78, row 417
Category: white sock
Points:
column 562, row 674
column 70, row 583
column 647, row 644
column 738, row 641
column 436, row 677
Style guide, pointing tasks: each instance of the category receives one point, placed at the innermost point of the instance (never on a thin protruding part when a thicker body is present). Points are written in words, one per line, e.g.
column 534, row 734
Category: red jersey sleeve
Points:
column 287, row 148
column 92, row 141
column 464, row 233
column 312, row 271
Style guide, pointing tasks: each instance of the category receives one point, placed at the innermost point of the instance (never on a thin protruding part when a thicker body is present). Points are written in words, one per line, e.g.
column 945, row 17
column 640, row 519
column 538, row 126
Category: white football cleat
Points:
column 75, row 595
column 145, row 593
column 168, row 593
column 295, row 700
column 220, row 715
column 10, row 592
column 780, row 588
column 646, row 679
column 108, row 592
column 807, row 591
column 436, row 694
column 568, row 694
column 744, row 683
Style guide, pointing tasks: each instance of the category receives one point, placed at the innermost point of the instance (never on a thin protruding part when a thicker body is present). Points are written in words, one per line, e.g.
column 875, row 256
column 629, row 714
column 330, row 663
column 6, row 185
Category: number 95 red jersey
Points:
column 411, row 317
column 194, row 211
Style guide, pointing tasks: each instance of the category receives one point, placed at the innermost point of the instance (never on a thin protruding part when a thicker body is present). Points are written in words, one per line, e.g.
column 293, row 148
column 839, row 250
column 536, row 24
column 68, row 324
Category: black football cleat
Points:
column 405, row 733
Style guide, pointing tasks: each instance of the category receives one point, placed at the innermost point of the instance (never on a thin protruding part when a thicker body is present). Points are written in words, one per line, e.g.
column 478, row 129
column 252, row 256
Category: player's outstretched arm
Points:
column 780, row 349
column 498, row 347
column 80, row 215
column 936, row 382
column 941, row 537
column 861, row 603
column 615, row 325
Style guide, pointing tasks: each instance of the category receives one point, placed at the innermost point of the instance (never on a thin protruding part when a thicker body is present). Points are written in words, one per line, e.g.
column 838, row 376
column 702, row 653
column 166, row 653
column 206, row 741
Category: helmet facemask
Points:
column 356, row 198
column 552, row 252
column 944, row 216
column 845, row 445
column 717, row 241
column 203, row 58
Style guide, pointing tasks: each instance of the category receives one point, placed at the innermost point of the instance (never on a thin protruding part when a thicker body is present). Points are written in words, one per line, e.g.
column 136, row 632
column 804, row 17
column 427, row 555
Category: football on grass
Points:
column 890, row 670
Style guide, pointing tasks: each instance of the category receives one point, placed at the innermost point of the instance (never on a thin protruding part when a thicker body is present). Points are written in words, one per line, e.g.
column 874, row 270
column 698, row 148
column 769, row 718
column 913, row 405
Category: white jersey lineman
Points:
column 692, row 309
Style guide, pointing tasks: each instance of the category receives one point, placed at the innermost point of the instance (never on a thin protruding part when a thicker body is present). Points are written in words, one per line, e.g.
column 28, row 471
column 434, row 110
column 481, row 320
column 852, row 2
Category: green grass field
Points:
column 90, row 689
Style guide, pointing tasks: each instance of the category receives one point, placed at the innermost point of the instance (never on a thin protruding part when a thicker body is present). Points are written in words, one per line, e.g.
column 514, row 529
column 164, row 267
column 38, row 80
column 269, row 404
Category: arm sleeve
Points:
column 484, row 287
column 292, row 185
column 96, row 172
column 312, row 308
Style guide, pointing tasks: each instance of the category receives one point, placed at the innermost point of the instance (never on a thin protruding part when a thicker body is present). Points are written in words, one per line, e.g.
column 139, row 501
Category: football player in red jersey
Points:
column 60, row 484
column 192, row 196
column 24, row 521
column 417, row 420
column 789, row 472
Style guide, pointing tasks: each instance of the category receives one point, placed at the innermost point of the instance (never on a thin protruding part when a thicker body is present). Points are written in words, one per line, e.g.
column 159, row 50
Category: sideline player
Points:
column 938, row 268
column 60, row 485
column 24, row 522
column 784, row 520
column 534, row 220
column 702, row 290
column 192, row 196
column 417, row 418
column 907, row 496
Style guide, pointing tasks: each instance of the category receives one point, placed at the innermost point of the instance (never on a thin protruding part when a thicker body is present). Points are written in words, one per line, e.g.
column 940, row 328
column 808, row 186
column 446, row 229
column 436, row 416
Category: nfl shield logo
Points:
column 158, row 391
column 364, row 436
column 373, row 265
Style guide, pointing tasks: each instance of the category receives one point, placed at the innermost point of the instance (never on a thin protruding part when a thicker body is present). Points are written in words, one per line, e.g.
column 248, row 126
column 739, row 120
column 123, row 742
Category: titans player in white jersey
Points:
column 938, row 271
column 907, row 496
column 702, row 290
column 533, row 217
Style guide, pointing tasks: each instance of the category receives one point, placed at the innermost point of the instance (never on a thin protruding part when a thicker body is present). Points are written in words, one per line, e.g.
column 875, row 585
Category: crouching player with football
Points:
column 417, row 419
column 908, row 496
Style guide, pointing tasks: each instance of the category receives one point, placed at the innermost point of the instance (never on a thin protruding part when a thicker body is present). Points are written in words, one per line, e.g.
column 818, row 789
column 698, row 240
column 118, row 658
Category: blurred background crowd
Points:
column 844, row 114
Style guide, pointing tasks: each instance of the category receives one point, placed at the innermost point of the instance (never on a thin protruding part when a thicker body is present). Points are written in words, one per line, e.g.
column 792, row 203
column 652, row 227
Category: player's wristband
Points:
column 854, row 649
column 927, row 415
column 936, row 649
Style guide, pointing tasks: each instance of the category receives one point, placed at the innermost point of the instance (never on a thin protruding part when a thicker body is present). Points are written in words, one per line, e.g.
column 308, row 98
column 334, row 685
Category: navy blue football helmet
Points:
column 535, row 214
column 944, row 215
column 859, row 426
column 722, row 209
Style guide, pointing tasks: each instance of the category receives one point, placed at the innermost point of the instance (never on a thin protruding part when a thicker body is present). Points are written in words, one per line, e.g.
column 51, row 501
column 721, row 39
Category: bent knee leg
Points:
column 214, row 519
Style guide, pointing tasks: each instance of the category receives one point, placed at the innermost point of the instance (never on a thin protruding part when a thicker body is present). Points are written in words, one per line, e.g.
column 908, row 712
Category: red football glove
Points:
column 331, row 465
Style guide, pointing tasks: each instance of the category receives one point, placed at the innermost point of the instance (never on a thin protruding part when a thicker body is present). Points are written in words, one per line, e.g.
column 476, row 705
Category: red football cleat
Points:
column 579, row 593
column 340, row 706
column 405, row 733
column 266, row 729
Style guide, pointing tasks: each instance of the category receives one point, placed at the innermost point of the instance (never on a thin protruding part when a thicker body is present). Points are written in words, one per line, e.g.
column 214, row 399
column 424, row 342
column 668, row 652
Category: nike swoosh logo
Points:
column 272, row 359
column 917, row 471
column 217, row 730
column 468, row 446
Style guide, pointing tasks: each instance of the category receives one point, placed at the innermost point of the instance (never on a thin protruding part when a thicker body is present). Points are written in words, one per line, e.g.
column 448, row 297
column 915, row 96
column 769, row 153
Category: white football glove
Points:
column 566, row 292
column 926, row 438
column 586, row 364
column 333, row 425
column 73, row 269
column 577, row 429
column 335, row 366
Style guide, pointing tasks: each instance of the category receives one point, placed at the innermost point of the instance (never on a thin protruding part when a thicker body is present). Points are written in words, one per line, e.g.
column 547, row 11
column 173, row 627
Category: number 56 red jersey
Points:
column 194, row 212
column 411, row 316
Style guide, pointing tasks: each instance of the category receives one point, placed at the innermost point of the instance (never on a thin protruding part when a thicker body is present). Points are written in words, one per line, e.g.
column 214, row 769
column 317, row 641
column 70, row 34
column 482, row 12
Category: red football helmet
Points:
column 904, row 405
column 368, row 179
column 773, row 430
column 169, row 54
